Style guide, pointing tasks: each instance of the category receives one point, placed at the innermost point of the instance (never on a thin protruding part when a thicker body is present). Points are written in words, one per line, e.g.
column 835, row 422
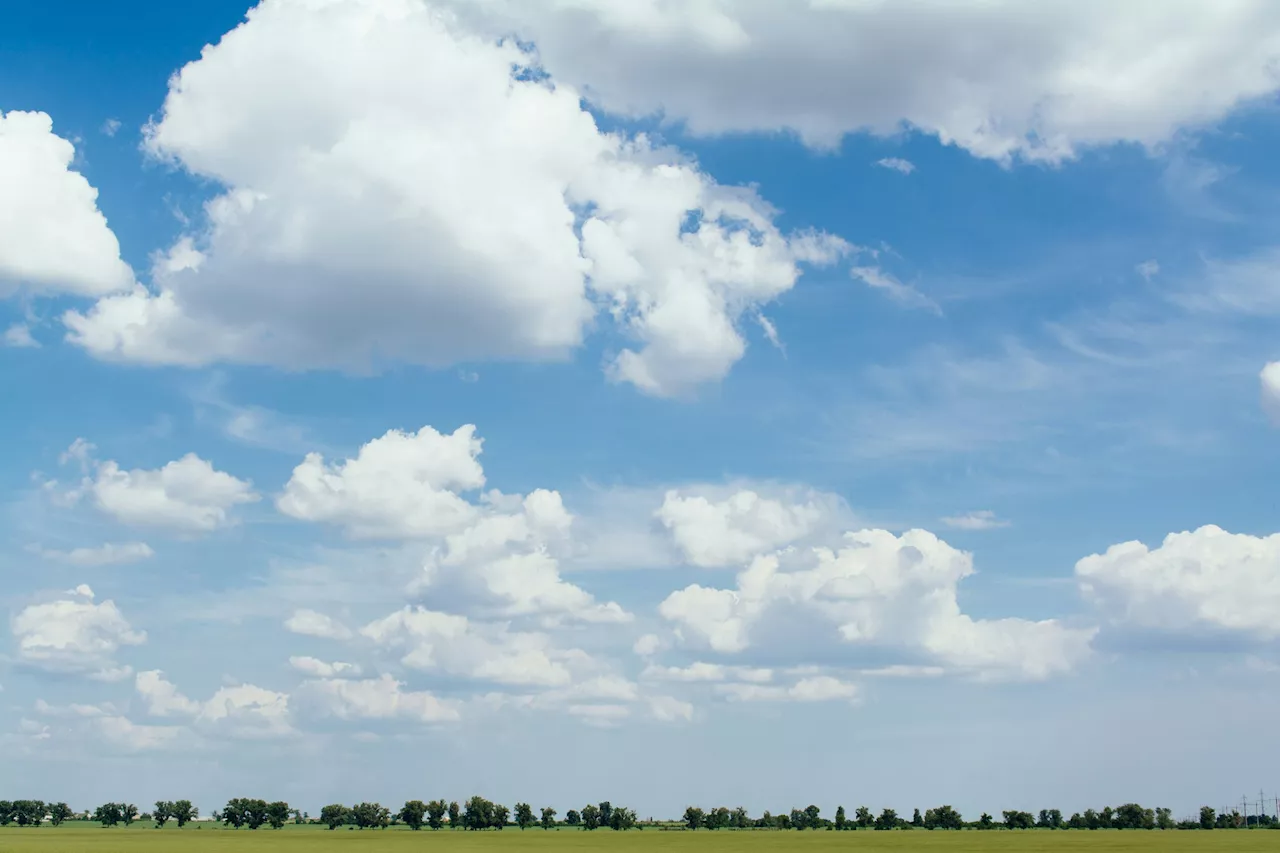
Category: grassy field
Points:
column 93, row 839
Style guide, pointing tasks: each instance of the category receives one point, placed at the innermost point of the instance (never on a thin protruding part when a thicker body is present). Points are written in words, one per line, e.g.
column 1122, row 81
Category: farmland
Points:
column 85, row 838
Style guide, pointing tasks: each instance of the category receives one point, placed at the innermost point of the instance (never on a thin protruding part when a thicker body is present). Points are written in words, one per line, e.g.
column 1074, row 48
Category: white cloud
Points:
column 707, row 672
column 879, row 591
column 53, row 238
column 110, row 127
column 73, row 711
column 1148, row 269
column 454, row 644
column 18, row 336
column 107, row 554
column 408, row 486
column 713, row 532
column 888, row 284
column 322, row 669
column 121, row 732
column 669, row 709
column 603, row 716
column 897, row 164
column 422, row 205
column 983, row 519
column 1269, row 380
column 999, row 79
column 312, row 624
column 401, row 485
column 75, row 635
column 821, row 688
column 187, row 495
column 377, row 699
column 1202, row 580
column 241, row 711
column 648, row 645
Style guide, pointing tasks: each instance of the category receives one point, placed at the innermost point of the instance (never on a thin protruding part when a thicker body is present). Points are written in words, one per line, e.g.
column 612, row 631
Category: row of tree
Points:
column 479, row 813
column 1127, row 816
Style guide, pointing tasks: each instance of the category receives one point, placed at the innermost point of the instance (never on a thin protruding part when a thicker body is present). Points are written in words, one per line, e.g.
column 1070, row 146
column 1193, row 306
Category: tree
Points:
column 590, row 817
column 740, row 818
column 1105, row 817
column 524, row 816
column 335, row 815
column 606, row 813
column 1133, row 816
column 255, row 813
column 183, row 812
column 813, row 817
column 798, row 819
column 863, row 818
column 436, row 810
column 1076, row 821
column 162, row 813
column 1208, row 817
column 235, row 814
column 943, row 817
column 454, row 815
column 622, row 819
column 59, row 812
column 371, row 816
column 986, row 822
column 28, row 812
column 1050, row 819
column 108, row 814
column 129, row 813
column 693, row 817
column 1164, row 819
column 916, row 818
column 278, row 814
column 548, row 817
column 841, row 821
column 412, row 814
column 501, row 814
column 717, row 818
column 572, row 818
column 1019, row 820
column 888, row 819
column 478, row 814
column 1092, row 819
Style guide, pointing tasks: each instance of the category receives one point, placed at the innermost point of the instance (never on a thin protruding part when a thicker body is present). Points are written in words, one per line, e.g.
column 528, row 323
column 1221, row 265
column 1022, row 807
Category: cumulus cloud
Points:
column 242, row 711
column 880, row 593
column 426, row 203
column 75, row 635
column 707, row 672
column 309, row 623
column 820, row 688
column 53, row 238
column 377, row 699
column 713, row 532
column 1205, row 580
column 187, row 495
column 999, row 79
column 106, row 554
column 982, row 519
column 496, row 552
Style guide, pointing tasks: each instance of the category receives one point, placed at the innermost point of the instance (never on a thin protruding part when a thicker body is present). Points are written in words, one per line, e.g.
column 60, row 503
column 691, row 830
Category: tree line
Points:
column 478, row 814
column 1127, row 816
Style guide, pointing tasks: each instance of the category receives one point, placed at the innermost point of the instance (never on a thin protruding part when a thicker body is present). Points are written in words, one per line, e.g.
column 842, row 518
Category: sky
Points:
column 705, row 402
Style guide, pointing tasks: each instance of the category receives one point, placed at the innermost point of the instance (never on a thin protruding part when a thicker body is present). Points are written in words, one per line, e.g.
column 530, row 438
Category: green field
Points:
column 93, row 839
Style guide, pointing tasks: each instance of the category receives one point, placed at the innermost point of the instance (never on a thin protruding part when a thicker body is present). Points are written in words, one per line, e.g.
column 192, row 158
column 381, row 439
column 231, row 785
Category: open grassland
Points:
column 93, row 839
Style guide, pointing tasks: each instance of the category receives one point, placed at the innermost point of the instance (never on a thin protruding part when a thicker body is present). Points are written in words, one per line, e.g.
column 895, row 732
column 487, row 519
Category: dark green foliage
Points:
column 693, row 817
column 524, row 816
column 455, row 816
column 863, row 818
column 335, row 815
column 888, row 819
column 916, row 818
column 1019, row 820
column 436, row 810
column 548, row 817
column 1050, row 819
column 162, row 813
column 1208, row 817
column 590, row 817
column 841, row 821
column 182, row 812
column 572, row 818
column 943, row 817
column 413, row 814
column 277, row 814
column 109, row 814
column 371, row 816
column 59, row 812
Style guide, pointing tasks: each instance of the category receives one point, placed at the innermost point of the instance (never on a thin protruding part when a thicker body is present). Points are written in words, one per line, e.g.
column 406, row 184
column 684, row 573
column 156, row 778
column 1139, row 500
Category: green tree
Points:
column 235, row 813
column 606, row 813
column 335, row 815
column 1092, row 820
column 863, row 818
column 590, row 817
column 986, row 822
column 436, row 810
column 621, row 819
column 59, row 812
column 1133, row 816
column 524, row 816
column 841, row 821
column 1049, row 819
column 371, row 816
column 183, row 812
column 693, row 817
column 917, row 819
column 28, row 812
column 572, row 818
column 1164, row 819
column 108, row 814
column 740, row 818
column 501, row 815
column 1019, row 820
column 548, row 817
column 163, row 811
column 1208, row 817
column 943, row 817
column 888, row 819
column 412, row 814
column 813, row 817
column 277, row 814
column 1106, row 817
column 455, row 815
column 128, row 813
column 1076, row 821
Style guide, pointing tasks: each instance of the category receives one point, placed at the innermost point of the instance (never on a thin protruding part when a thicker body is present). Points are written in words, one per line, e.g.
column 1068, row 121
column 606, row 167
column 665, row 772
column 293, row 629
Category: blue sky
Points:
column 802, row 382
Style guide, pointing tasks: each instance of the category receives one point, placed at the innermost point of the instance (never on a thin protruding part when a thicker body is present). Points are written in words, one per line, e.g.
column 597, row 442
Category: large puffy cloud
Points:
column 1206, row 580
column 497, row 552
column 880, row 592
column 74, row 634
column 242, row 711
column 397, row 192
column 53, row 238
column 731, row 530
column 187, row 495
column 1039, row 80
